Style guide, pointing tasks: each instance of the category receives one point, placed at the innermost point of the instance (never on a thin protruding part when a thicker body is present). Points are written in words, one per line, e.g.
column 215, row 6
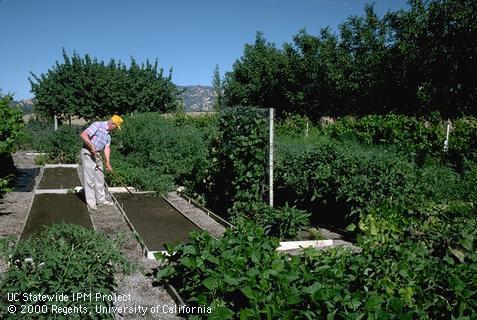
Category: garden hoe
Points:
column 117, row 176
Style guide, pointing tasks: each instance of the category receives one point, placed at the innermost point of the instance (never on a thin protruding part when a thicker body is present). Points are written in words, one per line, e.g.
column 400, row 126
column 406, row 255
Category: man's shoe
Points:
column 92, row 208
column 106, row 203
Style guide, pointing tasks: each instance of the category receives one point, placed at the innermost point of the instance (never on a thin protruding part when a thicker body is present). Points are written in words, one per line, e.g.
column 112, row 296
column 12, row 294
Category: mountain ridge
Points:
column 195, row 98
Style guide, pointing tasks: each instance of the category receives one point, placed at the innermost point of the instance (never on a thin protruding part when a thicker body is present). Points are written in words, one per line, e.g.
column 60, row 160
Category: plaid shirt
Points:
column 99, row 135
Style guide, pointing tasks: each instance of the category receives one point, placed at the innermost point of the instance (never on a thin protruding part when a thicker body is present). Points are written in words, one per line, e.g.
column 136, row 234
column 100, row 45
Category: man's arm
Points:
column 107, row 152
column 85, row 137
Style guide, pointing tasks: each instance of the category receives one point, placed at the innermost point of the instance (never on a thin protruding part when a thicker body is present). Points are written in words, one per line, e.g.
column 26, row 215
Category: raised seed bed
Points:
column 155, row 220
column 59, row 178
column 48, row 209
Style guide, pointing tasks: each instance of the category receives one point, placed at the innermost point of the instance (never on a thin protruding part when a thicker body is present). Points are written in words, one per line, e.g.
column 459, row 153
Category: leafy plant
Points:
column 155, row 153
column 426, row 272
column 62, row 259
column 283, row 222
column 11, row 131
column 237, row 174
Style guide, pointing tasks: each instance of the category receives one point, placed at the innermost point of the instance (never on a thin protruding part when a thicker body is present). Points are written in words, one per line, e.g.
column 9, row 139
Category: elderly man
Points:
column 97, row 138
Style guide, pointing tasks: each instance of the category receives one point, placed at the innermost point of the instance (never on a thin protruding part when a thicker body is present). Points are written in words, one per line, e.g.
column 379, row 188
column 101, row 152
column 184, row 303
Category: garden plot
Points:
column 59, row 177
column 53, row 203
column 52, row 208
column 155, row 221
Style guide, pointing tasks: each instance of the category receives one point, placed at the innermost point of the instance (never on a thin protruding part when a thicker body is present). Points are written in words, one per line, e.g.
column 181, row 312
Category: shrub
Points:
column 63, row 259
column 410, row 135
column 282, row 222
column 11, row 126
column 295, row 126
column 153, row 153
column 334, row 180
column 237, row 173
column 37, row 135
column 463, row 142
column 61, row 146
column 11, row 131
column 426, row 273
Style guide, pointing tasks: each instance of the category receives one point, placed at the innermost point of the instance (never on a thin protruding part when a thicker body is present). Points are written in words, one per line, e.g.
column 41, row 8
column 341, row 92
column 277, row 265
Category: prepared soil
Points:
column 59, row 178
column 155, row 220
column 48, row 209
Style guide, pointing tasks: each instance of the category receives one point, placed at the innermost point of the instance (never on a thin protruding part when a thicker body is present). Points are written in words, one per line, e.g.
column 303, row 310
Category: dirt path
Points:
column 14, row 208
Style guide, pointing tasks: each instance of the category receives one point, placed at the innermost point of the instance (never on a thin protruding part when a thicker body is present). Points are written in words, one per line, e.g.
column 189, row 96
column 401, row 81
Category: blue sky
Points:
column 189, row 36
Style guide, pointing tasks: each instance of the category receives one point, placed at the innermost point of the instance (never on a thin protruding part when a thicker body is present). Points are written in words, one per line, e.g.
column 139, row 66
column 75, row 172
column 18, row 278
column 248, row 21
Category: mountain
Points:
column 195, row 98
column 26, row 105
column 198, row 98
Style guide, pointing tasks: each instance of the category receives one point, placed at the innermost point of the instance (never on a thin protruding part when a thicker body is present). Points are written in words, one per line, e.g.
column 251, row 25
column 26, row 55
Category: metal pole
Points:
column 56, row 122
column 270, row 169
column 446, row 142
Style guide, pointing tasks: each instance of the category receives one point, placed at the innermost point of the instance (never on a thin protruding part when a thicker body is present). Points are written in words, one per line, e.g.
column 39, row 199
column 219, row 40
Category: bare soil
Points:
column 59, row 178
column 148, row 214
column 48, row 209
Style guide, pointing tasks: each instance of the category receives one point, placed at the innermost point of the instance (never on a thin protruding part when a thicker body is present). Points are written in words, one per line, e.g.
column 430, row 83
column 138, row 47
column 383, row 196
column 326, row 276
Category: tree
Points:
column 259, row 78
column 217, row 85
column 412, row 62
column 88, row 88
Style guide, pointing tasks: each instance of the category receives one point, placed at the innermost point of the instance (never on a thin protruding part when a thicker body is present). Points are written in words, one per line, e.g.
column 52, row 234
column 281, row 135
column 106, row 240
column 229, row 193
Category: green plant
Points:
column 11, row 126
column 336, row 181
column 11, row 131
column 409, row 135
column 238, row 155
column 62, row 259
column 155, row 153
column 425, row 272
column 283, row 222
column 463, row 142
column 60, row 146
column 239, row 275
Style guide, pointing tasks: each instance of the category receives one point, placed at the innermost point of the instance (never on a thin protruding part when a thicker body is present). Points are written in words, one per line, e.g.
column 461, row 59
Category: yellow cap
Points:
column 117, row 120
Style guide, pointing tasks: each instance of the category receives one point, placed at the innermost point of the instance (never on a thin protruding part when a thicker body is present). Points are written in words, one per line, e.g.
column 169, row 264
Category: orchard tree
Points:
column 413, row 62
column 217, row 86
column 259, row 78
column 88, row 88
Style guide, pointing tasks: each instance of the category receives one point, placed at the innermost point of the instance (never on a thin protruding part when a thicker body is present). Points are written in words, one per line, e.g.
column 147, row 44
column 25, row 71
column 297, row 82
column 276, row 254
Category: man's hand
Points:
column 108, row 167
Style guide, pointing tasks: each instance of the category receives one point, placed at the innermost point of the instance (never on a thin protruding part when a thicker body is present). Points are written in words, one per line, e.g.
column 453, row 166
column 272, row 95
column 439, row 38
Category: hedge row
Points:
column 334, row 181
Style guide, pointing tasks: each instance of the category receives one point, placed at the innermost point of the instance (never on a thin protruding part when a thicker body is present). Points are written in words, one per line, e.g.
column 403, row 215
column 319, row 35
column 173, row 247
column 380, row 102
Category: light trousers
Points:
column 93, row 179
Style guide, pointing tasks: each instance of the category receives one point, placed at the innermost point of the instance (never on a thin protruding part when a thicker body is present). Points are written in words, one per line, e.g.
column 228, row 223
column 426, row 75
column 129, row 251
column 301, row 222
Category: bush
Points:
column 152, row 153
column 37, row 135
column 410, row 135
column 11, row 131
column 61, row 146
column 11, row 125
column 295, row 126
column 283, row 222
column 426, row 273
column 463, row 142
column 334, row 180
column 237, row 173
column 63, row 259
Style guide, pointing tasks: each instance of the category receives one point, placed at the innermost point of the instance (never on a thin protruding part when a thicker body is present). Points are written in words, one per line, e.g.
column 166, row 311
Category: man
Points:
column 97, row 138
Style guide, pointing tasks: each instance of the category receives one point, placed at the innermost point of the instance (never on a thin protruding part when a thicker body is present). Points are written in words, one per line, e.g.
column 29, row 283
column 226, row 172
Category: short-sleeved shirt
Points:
column 99, row 135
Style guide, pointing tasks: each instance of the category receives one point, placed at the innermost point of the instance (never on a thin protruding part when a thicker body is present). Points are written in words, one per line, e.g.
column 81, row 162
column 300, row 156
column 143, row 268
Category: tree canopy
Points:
column 412, row 62
column 88, row 88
